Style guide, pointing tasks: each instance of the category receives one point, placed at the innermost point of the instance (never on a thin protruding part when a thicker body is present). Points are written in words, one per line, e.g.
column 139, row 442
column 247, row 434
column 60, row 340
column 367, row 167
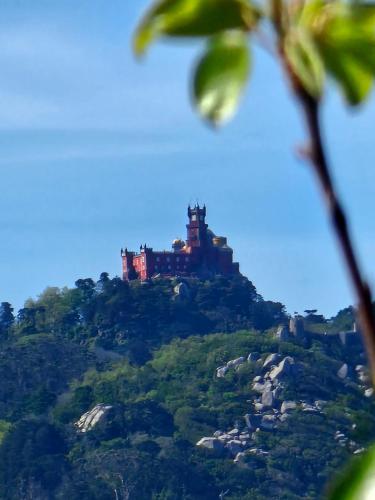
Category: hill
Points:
column 175, row 390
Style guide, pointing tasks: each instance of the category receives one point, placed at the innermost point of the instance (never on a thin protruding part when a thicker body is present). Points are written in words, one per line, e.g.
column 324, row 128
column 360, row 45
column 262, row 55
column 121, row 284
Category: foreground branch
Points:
column 317, row 156
column 318, row 160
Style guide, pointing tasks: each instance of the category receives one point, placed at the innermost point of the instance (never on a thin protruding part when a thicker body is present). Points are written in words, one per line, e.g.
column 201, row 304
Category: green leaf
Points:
column 321, row 12
column 349, row 56
column 312, row 15
column 345, row 39
column 194, row 18
column 357, row 482
column 362, row 14
column 305, row 61
column 352, row 76
column 220, row 77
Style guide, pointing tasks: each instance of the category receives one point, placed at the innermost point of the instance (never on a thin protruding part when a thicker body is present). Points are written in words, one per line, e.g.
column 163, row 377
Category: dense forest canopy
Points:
column 136, row 316
column 149, row 353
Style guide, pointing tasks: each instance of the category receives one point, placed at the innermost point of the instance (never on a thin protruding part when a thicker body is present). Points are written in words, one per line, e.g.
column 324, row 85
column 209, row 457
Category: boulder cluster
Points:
column 92, row 418
column 267, row 409
column 345, row 442
column 364, row 380
column 269, row 384
column 362, row 376
column 232, row 364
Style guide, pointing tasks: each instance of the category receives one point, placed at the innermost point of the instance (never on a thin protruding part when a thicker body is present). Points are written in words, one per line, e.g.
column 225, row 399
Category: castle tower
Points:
column 128, row 271
column 197, row 227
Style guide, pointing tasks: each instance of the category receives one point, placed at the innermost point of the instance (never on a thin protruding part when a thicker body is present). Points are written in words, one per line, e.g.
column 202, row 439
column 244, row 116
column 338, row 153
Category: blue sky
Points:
column 99, row 151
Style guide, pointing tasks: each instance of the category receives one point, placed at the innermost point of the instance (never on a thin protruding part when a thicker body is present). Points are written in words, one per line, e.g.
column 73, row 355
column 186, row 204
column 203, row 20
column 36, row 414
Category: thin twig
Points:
column 318, row 160
column 339, row 221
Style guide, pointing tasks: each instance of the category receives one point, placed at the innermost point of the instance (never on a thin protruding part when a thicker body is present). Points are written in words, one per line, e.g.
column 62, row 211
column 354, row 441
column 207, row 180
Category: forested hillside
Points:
column 175, row 390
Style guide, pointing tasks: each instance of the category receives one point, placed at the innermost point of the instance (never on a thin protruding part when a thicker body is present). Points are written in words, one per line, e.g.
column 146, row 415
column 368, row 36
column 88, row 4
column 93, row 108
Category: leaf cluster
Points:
column 313, row 39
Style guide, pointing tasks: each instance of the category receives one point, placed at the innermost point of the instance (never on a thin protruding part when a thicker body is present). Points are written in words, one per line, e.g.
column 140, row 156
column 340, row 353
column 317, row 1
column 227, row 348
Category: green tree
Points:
column 31, row 456
column 30, row 320
column 6, row 319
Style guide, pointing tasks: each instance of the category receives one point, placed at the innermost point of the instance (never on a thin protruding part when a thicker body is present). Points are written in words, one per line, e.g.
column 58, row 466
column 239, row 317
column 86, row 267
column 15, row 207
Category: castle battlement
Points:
column 203, row 254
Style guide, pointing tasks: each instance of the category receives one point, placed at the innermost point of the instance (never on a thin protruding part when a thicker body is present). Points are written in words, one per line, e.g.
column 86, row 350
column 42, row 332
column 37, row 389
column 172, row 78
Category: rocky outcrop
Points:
column 231, row 442
column 268, row 422
column 253, row 356
column 234, row 446
column 342, row 372
column 268, row 410
column 211, row 443
column 269, row 386
column 271, row 360
column 283, row 333
column 362, row 374
column 365, row 380
column 288, row 406
column 93, row 417
column 282, row 369
column 240, row 458
column 297, row 327
column 233, row 363
column 343, row 441
column 221, row 371
column 258, row 387
column 258, row 407
column 268, row 399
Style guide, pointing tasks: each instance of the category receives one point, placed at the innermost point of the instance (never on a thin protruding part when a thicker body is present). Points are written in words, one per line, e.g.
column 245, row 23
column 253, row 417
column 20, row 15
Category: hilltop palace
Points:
column 203, row 255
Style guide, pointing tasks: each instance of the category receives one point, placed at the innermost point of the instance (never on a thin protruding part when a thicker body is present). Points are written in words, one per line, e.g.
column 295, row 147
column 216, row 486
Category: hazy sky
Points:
column 98, row 151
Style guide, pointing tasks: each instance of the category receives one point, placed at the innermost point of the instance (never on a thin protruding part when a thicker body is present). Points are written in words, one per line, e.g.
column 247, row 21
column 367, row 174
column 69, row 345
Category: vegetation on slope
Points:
column 73, row 349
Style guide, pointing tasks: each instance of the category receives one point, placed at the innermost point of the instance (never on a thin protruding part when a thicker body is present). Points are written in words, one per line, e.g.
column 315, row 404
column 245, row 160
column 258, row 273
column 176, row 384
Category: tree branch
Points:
column 318, row 160
column 310, row 108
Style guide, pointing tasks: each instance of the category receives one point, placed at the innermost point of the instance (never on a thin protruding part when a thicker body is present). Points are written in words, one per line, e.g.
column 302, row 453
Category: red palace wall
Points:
column 203, row 254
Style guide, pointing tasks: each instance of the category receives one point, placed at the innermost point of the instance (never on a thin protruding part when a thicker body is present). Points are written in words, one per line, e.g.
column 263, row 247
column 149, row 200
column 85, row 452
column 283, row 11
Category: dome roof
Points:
column 178, row 242
column 219, row 241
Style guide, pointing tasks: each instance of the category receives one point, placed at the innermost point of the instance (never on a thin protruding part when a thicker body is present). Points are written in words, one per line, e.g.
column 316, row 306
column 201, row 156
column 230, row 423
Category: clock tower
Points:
column 197, row 227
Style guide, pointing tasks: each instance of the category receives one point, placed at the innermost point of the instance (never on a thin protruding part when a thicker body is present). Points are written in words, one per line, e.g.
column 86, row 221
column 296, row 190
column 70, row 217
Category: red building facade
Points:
column 202, row 255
